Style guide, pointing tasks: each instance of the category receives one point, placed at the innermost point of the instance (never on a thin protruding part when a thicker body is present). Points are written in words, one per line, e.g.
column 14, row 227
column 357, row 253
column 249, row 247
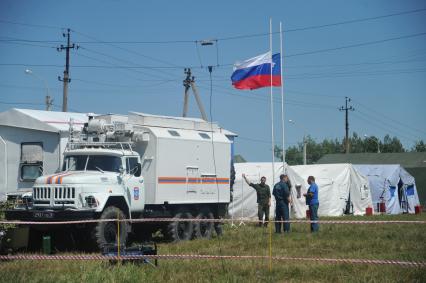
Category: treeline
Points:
column 315, row 150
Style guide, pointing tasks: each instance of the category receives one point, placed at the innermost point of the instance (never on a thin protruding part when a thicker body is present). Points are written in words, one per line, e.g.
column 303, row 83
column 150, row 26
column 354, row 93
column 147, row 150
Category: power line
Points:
column 357, row 45
column 30, row 25
column 357, row 20
column 389, row 118
column 223, row 38
column 386, row 122
column 26, row 44
column 115, row 66
column 374, row 123
column 34, row 104
column 172, row 66
column 129, row 50
column 121, row 60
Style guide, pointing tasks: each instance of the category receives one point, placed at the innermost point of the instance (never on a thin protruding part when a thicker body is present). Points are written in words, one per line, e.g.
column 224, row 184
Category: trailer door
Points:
column 192, row 179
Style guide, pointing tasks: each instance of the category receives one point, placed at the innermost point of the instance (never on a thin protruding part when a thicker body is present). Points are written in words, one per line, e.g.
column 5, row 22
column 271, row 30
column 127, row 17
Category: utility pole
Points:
column 189, row 82
column 66, row 79
column 346, row 109
column 49, row 102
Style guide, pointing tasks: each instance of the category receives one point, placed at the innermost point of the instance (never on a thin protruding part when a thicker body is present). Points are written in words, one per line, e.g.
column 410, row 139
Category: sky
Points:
column 132, row 55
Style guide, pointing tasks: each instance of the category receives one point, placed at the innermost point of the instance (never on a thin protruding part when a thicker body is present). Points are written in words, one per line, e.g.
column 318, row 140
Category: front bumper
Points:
column 49, row 215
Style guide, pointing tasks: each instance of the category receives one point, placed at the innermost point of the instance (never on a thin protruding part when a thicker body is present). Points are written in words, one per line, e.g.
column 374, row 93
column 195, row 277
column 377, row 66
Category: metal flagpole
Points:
column 242, row 210
column 282, row 91
column 273, row 143
column 233, row 212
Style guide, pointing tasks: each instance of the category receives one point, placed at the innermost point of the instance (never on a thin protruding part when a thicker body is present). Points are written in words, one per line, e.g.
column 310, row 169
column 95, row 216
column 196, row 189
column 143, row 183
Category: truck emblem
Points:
column 136, row 193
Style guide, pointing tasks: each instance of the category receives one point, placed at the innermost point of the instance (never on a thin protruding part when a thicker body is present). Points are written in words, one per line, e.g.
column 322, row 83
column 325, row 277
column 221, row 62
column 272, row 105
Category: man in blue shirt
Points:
column 281, row 193
column 312, row 201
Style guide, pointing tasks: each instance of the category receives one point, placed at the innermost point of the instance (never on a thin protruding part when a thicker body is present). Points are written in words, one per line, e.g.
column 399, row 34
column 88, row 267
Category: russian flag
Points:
column 255, row 72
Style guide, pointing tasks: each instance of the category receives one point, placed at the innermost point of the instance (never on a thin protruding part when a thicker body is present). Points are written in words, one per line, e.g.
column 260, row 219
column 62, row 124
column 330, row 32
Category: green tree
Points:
column 372, row 144
column 392, row 144
column 315, row 150
column 420, row 146
column 239, row 159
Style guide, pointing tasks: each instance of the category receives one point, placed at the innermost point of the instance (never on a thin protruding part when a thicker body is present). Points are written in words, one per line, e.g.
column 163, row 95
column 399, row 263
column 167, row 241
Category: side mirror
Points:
column 121, row 170
column 138, row 170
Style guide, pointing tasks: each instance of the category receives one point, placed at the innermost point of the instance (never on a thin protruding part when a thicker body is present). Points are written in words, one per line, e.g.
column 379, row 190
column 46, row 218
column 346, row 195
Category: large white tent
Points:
column 392, row 185
column 244, row 203
column 339, row 185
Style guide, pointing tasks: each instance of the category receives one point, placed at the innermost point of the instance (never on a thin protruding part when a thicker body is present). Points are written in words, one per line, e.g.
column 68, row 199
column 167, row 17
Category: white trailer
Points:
column 31, row 144
column 144, row 166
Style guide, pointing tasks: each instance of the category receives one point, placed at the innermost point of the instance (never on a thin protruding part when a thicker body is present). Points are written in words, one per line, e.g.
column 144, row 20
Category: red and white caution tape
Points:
column 212, row 220
column 215, row 257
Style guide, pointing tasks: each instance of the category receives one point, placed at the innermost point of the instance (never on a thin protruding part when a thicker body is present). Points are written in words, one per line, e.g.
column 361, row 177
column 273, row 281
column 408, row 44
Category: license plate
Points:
column 43, row 214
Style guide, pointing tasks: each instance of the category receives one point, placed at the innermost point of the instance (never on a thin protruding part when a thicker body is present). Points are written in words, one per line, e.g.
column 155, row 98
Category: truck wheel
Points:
column 204, row 229
column 106, row 232
column 181, row 230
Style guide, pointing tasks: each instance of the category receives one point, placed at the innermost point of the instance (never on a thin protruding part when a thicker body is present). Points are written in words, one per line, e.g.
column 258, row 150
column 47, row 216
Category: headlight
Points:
column 91, row 201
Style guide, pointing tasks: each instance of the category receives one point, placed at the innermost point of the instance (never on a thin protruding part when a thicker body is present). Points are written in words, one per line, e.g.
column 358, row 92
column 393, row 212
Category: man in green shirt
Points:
column 263, row 199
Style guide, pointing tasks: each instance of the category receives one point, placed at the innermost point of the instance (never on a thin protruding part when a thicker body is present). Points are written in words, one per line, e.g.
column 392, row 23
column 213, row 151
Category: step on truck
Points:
column 136, row 167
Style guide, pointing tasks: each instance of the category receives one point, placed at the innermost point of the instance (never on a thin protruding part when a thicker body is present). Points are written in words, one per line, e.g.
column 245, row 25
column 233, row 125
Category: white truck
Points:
column 140, row 166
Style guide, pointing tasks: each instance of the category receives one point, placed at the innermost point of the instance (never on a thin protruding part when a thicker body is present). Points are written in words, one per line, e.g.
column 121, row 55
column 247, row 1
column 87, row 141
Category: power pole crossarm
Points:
column 346, row 109
column 66, row 79
column 188, row 83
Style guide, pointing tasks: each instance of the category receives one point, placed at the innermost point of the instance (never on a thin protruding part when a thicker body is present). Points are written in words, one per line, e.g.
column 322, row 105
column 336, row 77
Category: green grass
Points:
column 374, row 241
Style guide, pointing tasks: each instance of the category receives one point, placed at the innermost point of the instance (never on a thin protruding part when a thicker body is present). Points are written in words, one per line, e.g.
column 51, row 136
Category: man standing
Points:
column 263, row 199
column 313, row 202
column 281, row 193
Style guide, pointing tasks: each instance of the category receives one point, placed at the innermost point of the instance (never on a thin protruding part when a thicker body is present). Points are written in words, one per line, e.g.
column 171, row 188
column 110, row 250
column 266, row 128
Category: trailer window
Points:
column 174, row 133
column 32, row 152
column 31, row 164
column 204, row 136
column 30, row 172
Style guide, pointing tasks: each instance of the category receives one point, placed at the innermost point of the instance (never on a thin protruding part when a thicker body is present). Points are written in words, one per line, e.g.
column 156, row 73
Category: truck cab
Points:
column 89, row 177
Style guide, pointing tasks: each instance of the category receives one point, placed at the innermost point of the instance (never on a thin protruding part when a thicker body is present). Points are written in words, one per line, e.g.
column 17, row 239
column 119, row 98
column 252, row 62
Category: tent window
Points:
column 31, row 161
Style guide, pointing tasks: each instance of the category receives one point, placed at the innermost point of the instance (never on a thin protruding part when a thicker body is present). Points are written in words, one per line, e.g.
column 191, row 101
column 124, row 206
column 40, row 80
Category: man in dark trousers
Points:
column 281, row 193
column 263, row 199
column 313, row 202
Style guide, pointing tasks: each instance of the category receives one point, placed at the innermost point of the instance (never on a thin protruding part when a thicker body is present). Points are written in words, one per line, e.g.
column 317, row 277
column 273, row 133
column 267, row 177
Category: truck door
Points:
column 134, row 185
column 192, row 179
column 208, row 184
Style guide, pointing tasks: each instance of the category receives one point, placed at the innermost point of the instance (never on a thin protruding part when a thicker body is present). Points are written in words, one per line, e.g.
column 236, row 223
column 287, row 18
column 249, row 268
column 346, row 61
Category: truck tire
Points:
column 203, row 229
column 106, row 232
column 179, row 230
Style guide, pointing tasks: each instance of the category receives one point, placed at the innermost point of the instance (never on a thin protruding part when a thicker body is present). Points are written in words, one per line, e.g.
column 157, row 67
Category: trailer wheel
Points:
column 181, row 230
column 106, row 232
column 204, row 229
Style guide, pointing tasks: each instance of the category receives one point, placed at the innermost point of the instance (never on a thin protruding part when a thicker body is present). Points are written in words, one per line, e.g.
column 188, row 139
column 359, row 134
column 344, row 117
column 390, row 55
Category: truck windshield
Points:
column 94, row 163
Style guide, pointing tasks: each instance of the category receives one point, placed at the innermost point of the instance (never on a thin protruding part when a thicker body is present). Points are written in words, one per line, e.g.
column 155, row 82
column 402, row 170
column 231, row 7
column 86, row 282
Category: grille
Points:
column 43, row 195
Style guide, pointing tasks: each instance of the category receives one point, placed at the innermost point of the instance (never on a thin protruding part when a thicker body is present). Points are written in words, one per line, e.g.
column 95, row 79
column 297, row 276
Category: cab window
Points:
column 131, row 165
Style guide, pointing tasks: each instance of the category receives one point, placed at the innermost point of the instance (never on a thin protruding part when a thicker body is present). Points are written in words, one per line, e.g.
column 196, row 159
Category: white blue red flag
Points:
column 255, row 72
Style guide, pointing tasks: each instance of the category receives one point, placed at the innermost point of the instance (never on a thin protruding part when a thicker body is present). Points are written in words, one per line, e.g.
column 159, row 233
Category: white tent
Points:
column 244, row 203
column 339, row 184
column 393, row 185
